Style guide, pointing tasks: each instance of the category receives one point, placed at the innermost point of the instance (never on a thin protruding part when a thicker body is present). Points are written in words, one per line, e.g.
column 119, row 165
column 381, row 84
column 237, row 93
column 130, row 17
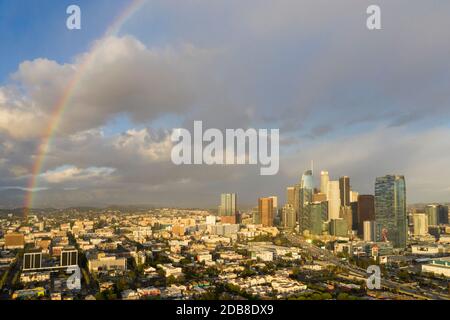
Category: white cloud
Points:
column 71, row 174
column 144, row 143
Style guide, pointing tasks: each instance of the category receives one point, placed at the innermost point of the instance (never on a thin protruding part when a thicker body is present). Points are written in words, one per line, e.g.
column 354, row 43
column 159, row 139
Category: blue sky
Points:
column 360, row 103
column 33, row 29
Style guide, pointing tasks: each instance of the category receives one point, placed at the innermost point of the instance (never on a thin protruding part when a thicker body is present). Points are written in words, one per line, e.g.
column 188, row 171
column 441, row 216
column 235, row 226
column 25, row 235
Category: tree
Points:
column 342, row 296
column 326, row 296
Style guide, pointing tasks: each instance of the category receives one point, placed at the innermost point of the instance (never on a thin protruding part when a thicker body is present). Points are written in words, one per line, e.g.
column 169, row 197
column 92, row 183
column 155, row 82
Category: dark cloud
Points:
column 359, row 103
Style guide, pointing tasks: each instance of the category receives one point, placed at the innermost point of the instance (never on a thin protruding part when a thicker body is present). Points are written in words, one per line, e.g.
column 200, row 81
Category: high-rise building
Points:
column 256, row 215
column 275, row 206
column 307, row 181
column 432, row 212
column 304, row 195
column 344, row 187
column 420, row 222
column 390, row 210
column 443, row 214
column 228, row 204
column 318, row 217
column 354, row 196
column 324, row 179
column 366, row 210
column 369, row 231
column 290, row 196
column 338, row 227
column 355, row 221
column 288, row 216
column 265, row 209
column 346, row 213
column 334, row 201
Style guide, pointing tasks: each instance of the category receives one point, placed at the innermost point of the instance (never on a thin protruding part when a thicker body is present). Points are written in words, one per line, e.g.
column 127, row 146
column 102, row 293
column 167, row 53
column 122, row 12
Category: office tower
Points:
column 432, row 212
column 256, row 215
column 307, row 181
column 344, row 188
column 69, row 257
column 288, row 216
column 228, row 204
column 443, row 214
column 366, row 210
column 420, row 222
column 354, row 209
column 32, row 260
column 390, row 210
column 354, row 196
column 369, row 231
column 265, row 209
column 318, row 217
column 437, row 214
column 347, row 214
column 334, row 201
column 290, row 196
column 324, row 179
column 304, row 198
column 338, row 227
column 275, row 206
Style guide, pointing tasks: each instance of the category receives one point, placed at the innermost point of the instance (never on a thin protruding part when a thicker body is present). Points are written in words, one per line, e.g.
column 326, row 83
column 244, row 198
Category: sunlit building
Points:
column 390, row 210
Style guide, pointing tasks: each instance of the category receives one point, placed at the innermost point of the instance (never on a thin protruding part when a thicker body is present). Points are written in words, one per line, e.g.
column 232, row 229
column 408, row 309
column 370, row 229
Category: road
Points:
column 355, row 270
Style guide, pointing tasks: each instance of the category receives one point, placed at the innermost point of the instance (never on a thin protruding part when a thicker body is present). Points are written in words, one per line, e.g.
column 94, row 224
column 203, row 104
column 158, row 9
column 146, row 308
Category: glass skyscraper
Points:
column 304, row 195
column 318, row 216
column 390, row 210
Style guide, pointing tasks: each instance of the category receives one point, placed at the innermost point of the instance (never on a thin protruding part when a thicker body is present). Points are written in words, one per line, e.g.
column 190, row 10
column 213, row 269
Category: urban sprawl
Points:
column 316, row 246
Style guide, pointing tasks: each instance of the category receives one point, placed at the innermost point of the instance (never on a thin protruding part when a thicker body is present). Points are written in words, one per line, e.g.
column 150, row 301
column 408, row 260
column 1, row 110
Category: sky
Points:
column 359, row 103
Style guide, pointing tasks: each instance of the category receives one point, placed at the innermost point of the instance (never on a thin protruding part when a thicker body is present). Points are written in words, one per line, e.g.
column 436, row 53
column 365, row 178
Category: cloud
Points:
column 71, row 174
column 359, row 103
column 150, row 145
column 117, row 76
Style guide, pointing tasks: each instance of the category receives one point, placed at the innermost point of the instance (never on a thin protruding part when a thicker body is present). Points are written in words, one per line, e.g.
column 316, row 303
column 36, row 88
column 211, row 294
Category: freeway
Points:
column 355, row 270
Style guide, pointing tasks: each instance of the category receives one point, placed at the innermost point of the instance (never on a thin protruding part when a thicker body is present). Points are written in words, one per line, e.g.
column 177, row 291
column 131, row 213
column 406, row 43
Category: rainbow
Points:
column 62, row 103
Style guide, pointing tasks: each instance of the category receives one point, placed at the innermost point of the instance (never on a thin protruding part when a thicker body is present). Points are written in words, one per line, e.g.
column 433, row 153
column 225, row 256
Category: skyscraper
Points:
column 353, row 196
column 318, row 216
column 227, row 204
column 338, row 227
column 346, row 213
column 265, row 209
column 304, row 195
column 290, row 195
column 324, row 179
column 334, row 201
column 420, row 222
column 390, row 210
column 344, row 187
column 443, row 214
column 288, row 216
column 275, row 206
column 432, row 212
column 366, row 210
column 369, row 231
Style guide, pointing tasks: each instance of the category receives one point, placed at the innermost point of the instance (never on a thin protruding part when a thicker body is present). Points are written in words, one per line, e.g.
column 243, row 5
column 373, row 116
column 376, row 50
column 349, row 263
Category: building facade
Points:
column 390, row 210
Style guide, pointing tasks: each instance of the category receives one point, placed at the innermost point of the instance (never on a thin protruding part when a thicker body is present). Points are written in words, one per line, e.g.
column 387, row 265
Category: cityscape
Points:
column 224, row 157
column 316, row 246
